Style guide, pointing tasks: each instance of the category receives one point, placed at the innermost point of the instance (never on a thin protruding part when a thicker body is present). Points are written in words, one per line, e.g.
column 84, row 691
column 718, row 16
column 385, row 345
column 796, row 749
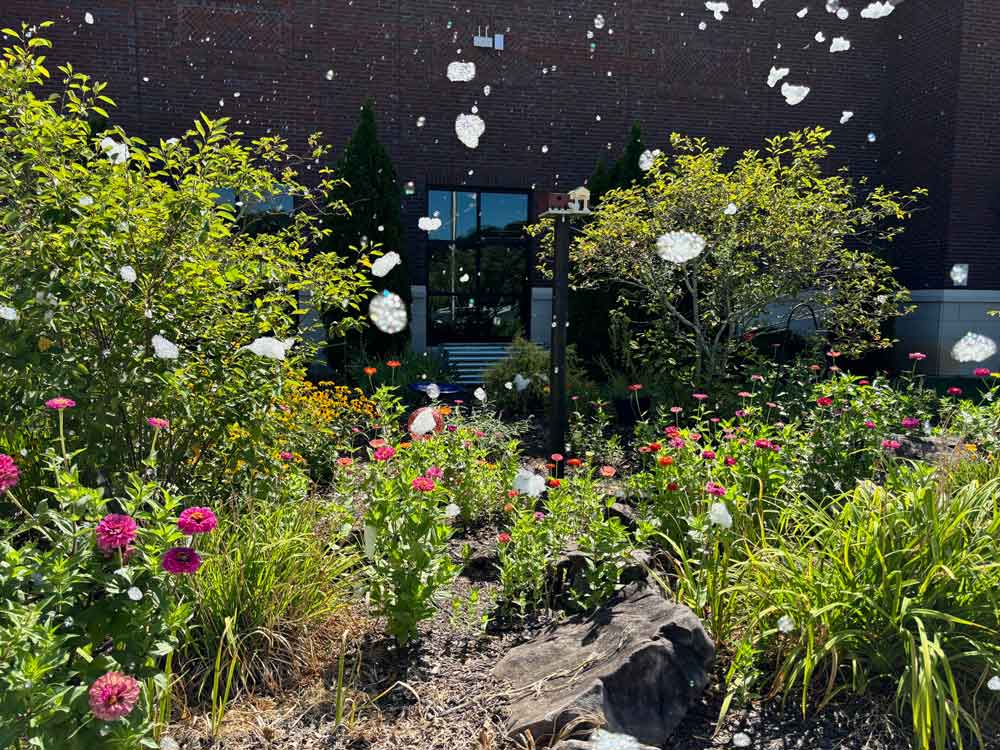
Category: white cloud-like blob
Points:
column 878, row 10
column 424, row 422
column 85, row 200
column 741, row 739
column 820, row 36
column 118, row 153
column 602, row 739
column 529, row 483
column 599, row 21
column 719, row 515
column 164, row 349
column 731, row 209
column 388, row 312
column 480, row 394
column 776, row 75
column 8, row 313
column 717, row 8
column 432, row 391
column 469, row 128
column 680, row 247
column 959, row 274
column 757, row 3
column 845, row 116
column 270, row 347
column 794, row 94
column 386, row 263
column 461, row 72
column 128, row 274
column 994, row 683
column 647, row 158
column 786, row 624
column 840, row 44
column 803, row 13
column 429, row 223
column 521, row 382
column 88, row 18
column 973, row 347
column 843, row 13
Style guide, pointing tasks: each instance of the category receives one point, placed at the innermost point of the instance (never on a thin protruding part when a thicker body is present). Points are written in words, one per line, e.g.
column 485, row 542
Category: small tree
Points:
column 774, row 228
column 624, row 173
column 370, row 191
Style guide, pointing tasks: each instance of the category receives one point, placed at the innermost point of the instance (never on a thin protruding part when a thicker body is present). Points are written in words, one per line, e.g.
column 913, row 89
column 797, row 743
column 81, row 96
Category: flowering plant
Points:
column 92, row 603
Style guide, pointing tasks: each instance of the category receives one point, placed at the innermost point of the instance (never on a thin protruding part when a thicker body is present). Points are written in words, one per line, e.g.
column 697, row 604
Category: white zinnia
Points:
column 719, row 515
column 973, row 347
column 786, row 624
column 480, row 394
column 8, row 313
column 680, row 247
column 386, row 263
column 270, row 347
column 128, row 274
column 163, row 348
column 529, row 483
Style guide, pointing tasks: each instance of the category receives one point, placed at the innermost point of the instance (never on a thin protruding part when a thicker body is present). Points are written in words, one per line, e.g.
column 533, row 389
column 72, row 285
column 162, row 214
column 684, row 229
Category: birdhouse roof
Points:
column 580, row 192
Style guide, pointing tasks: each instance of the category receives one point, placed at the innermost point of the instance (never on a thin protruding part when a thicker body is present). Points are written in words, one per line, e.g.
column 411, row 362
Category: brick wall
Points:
column 554, row 86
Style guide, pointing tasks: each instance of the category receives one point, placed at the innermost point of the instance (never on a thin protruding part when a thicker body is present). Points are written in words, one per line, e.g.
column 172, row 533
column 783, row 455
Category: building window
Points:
column 477, row 265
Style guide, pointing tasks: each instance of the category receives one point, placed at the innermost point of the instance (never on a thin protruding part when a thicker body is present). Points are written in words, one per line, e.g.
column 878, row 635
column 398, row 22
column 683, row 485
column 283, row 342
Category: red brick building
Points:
column 555, row 84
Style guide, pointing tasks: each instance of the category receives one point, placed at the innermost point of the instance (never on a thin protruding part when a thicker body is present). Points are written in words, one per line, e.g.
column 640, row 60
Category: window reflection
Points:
column 504, row 213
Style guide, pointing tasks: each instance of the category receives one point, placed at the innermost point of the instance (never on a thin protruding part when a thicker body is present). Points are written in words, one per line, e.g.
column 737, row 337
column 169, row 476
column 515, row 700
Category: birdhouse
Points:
column 579, row 199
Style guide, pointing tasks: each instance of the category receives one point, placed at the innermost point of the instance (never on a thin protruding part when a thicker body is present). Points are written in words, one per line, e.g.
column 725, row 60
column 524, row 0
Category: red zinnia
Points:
column 574, row 462
column 552, row 482
column 864, row 382
column 511, row 493
column 369, row 371
column 954, row 391
column 113, row 695
column 60, row 402
column 503, row 537
column 9, row 473
column 824, row 401
column 181, row 561
column 116, row 531
column 708, row 455
column 910, row 422
column 197, row 521
column 393, row 363
column 423, row 484
column 673, row 486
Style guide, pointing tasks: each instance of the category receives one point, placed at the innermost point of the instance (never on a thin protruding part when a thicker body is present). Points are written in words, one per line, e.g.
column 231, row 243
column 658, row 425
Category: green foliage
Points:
column 796, row 233
column 107, row 242
column 531, row 362
column 277, row 574
column 370, row 192
column 71, row 612
column 624, row 173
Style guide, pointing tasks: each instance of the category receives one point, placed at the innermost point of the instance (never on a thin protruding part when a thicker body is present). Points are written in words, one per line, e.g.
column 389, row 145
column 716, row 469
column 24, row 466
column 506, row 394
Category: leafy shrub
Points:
column 531, row 362
column 89, row 610
column 137, row 277
column 409, row 367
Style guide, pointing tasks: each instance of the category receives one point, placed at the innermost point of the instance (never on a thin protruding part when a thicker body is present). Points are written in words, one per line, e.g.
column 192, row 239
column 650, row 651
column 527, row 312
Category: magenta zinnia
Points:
column 157, row 423
column 423, row 484
column 9, row 473
column 891, row 445
column 434, row 473
column 197, row 521
column 116, row 531
column 113, row 695
column 60, row 402
column 385, row 453
column 715, row 489
column 181, row 560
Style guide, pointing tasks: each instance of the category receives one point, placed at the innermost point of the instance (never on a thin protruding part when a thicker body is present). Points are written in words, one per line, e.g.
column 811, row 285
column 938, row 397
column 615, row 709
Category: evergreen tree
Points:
column 625, row 171
column 371, row 193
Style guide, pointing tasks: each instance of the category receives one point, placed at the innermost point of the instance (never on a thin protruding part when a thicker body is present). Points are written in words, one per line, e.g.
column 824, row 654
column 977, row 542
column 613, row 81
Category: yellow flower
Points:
column 44, row 344
column 971, row 447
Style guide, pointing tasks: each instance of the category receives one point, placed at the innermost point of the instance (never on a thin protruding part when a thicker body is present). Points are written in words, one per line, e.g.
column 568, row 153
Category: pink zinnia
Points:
column 762, row 443
column 181, row 560
column 635, row 387
column 910, row 422
column 503, row 537
column 824, row 401
column 696, row 436
column 714, row 420
column 699, row 396
column 675, row 410
column 434, row 473
column 451, row 428
column 740, row 413
column 9, row 473
column 757, row 378
column 157, row 423
column 60, row 402
column 771, row 405
column 954, row 391
column 557, row 457
column 116, row 531
column 539, row 516
column 715, row 489
column 730, row 461
column 864, row 381
column 833, row 354
column 607, row 471
column 744, row 394
column 708, row 455
column 917, row 356
column 891, row 445
column 869, row 424
column 981, row 372
column 423, row 484
column 113, row 695
column 197, row 520
column 377, row 442
column 385, row 453
column 345, row 461
column 676, row 442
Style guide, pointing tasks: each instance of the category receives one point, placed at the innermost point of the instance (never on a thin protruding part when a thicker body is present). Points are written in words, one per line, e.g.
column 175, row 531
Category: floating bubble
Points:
column 878, row 10
column 959, row 274
column 843, row 13
column 388, row 312
column 845, row 116
column 599, row 21
column 429, row 223
column 776, row 75
column 421, row 121
column 545, row 149
column 840, row 44
column 329, row 74
column 459, row 72
column 820, row 37
column 803, row 13
column 386, row 263
column 680, row 247
column 469, row 128
column 717, row 8
column 973, row 347
column 794, row 94
column 872, row 138
column 88, row 18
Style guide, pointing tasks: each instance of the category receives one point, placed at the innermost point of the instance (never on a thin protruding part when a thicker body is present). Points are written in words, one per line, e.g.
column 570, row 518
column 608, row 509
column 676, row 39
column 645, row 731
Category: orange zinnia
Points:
column 369, row 371
column 394, row 363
